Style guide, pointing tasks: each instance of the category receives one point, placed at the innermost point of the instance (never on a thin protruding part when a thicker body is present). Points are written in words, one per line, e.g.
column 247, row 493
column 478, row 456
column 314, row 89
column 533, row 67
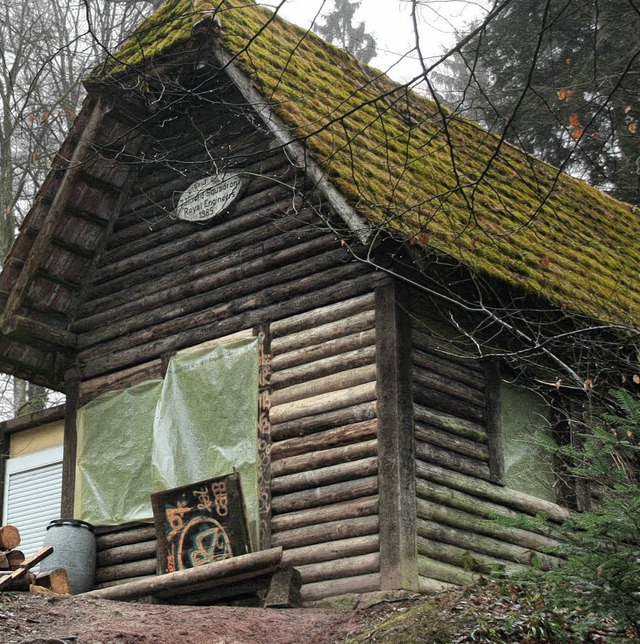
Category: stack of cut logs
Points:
column 15, row 570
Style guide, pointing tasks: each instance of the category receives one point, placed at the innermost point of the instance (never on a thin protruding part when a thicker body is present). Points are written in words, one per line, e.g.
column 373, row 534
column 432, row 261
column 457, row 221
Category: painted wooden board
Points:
column 200, row 523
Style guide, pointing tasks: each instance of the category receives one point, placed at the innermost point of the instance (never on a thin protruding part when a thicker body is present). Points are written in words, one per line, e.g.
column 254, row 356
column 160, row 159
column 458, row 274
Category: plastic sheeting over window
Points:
column 206, row 420
column 527, row 462
column 199, row 423
column 113, row 472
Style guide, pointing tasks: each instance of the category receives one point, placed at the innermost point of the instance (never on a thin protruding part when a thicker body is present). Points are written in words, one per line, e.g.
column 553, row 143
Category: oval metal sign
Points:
column 208, row 197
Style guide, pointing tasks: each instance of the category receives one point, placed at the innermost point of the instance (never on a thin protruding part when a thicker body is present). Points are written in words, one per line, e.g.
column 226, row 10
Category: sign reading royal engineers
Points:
column 208, row 197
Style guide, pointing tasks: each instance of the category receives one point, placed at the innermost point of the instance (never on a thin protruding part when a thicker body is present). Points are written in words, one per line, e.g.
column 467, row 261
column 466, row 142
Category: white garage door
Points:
column 32, row 494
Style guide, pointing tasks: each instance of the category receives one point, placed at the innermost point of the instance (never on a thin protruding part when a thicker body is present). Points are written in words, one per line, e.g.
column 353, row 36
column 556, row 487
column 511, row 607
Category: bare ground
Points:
column 457, row 616
column 54, row 619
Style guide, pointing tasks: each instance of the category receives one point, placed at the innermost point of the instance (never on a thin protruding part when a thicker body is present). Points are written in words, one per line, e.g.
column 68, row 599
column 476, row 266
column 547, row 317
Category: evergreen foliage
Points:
column 560, row 79
column 598, row 581
column 338, row 28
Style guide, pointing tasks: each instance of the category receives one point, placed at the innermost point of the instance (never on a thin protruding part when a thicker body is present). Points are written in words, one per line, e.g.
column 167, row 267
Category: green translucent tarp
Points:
column 527, row 462
column 206, row 420
column 199, row 423
column 115, row 433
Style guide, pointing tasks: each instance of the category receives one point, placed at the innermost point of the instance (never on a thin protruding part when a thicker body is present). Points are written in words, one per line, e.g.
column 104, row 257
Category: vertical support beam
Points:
column 494, row 421
column 70, row 450
column 264, row 436
column 5, row 439
column 396, row 447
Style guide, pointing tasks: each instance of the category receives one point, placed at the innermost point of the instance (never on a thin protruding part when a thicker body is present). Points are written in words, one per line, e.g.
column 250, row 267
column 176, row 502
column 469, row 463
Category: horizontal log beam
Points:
column 229, row 318
column 446, row 404
column 473, row 542
column 458, row 519
column 355, row 414
column 124, row 536
column 249, row 585
column 183, row 579
column 331, row 550
column 217, row 289
column 450, row 423
column 137, row 568
column 491, row 492
column 338, row 346
column 366, row 506
column 340, row 568
column 331, row 474
column 463, row 558
column 323, row 332
column 325, row 532
column 451, row 442
column 320, row 440
column 444, row 495
column 311, row 319
column 149, row 243
column 323, row 458
column 433, row 381
column 447, row 351
column 322, row 367
column 119, row 582
column 124, row 554
column 161, row 280
column 34, row 332
column 120, row 380
column 43, row 417
column 470, row 374
column 326, row 495
column 452, row 461
column 444, row 572
column 323, row 403
column 327, row 384
column 360, row 584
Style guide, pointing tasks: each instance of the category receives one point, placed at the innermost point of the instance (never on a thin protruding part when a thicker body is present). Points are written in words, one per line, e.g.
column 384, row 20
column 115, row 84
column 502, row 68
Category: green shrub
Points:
column 597, row 584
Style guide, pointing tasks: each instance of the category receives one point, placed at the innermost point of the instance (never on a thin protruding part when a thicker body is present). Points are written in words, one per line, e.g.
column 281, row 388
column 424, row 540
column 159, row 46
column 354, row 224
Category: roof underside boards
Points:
column 426, row 177
column 53, row 256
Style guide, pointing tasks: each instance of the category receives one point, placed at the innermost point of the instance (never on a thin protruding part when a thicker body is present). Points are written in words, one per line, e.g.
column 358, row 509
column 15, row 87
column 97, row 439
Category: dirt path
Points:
column 44, row 619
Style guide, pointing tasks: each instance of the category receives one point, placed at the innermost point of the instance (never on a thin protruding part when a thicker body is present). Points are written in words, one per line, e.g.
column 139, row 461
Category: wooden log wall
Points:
column 457, row 496
column 163, row 284
column 324, row 447
column 125, row 554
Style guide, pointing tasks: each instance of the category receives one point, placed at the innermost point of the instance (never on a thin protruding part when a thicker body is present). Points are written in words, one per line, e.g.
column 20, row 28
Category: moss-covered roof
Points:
column 435, row 180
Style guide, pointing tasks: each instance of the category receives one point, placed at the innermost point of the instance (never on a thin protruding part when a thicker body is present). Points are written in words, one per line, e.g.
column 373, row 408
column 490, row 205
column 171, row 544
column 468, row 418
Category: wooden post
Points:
column 70, row 450
column 494, row 422
column 4, row 455
column 264, row 437
column 284, row 589
column 396, row 452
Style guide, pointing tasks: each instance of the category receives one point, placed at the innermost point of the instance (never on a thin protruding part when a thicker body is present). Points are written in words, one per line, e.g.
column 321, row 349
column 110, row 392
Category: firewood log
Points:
column 9, row 537
column 15, row 558
column 56, row 580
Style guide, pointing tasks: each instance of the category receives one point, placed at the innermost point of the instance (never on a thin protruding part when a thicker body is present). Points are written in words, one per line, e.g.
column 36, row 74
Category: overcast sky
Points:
column 390, row 23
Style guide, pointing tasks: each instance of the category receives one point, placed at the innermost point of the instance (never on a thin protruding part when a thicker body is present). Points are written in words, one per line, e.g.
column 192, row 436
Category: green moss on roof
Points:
column 387, row 149
column 172, row 24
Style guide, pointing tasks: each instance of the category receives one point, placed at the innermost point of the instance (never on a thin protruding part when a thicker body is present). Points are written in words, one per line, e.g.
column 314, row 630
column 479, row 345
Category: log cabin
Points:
column 253, row 253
